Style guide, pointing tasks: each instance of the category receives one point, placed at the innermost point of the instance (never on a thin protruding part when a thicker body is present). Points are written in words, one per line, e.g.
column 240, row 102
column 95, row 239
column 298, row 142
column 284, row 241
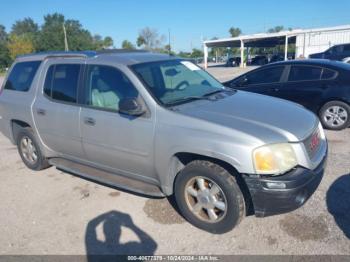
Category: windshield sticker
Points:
column 190, row 65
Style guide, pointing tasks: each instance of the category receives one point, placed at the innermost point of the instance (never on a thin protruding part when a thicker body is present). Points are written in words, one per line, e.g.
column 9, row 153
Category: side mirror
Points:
column 131, row 106
column 242, row 82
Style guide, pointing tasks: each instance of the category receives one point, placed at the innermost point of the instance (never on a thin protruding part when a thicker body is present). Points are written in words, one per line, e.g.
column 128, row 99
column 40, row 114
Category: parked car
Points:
column 276, row 58
column 259, row 60
column 322, row 86
column 336, row 52
column 159, row 125
column 233, row 61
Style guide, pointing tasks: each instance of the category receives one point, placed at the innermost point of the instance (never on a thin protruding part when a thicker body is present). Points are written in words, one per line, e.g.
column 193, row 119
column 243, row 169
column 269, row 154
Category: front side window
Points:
column 304, row 73
column 61, row 82
column 265, row 76
column 176, row 81
column 22, row 75
column 106, row 86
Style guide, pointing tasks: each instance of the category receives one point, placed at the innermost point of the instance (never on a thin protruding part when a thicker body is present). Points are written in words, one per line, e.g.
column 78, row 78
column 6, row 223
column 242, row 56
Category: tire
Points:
column 215, row 177
column 26, row 136
column 335, row 115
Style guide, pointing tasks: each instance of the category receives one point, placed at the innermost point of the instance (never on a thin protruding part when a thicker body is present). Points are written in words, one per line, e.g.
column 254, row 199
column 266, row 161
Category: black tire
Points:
column 235, row 205
column 41, row 162
column 328, row 106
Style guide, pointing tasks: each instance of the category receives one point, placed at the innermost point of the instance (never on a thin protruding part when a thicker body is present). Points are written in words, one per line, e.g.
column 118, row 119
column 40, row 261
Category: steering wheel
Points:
column 182, row 83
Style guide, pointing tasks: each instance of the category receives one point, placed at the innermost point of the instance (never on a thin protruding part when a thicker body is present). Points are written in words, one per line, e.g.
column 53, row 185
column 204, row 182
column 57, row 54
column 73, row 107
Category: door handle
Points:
column 41, row 112
column 89, row 121
column 275, row 89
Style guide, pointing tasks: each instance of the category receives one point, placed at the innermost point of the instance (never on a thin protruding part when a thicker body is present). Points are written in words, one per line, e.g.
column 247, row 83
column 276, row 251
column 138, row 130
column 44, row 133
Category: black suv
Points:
column 337, row 52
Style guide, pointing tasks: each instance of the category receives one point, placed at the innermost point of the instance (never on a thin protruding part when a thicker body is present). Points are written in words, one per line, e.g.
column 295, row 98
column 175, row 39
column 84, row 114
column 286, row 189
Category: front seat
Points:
column 103, row 96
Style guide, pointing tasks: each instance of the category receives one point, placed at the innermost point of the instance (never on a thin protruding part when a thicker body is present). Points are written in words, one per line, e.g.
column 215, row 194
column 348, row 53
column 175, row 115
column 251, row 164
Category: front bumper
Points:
column 300, row 184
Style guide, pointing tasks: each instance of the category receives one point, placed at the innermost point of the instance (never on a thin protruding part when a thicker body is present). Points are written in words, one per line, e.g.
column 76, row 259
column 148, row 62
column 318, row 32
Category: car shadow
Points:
column 112, row 223
column 338, row 203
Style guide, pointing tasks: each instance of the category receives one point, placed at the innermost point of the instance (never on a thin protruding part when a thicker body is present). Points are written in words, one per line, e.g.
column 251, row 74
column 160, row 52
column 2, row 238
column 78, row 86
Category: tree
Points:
column 149, row 38
column 107, row 42
column 3, row 34
column 78, row 38
column 25, row 26
column 235, row 31
column 276, row 29
column 197, row 53
column 19, row 45
column 51, row 36
column 127, row 45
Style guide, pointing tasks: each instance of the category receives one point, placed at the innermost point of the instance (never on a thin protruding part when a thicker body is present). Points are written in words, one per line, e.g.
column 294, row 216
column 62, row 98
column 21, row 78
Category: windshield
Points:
column 176, row 81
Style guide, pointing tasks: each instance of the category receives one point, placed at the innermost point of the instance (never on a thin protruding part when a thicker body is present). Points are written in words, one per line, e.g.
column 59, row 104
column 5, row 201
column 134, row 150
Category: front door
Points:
column 111, row 140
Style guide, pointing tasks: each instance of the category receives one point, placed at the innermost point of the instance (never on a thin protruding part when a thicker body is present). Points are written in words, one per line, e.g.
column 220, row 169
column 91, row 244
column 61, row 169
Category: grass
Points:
column 2, row 73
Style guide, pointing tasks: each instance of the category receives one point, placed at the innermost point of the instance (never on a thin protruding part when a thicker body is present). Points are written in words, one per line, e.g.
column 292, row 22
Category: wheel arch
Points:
column 181, row 159
column 16, row 126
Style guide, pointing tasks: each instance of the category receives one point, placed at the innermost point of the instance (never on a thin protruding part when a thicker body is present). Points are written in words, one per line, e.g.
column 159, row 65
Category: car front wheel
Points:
column 209, row 197
column 335, row 115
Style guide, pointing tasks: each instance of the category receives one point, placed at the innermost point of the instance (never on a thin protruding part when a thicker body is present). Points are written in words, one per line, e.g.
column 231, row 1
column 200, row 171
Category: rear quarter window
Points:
column 304, row 73
column 328, row 74
column 22, row 75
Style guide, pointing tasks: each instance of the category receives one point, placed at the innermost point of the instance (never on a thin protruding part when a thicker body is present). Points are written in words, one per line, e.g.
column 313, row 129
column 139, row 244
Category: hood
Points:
column 268, row 119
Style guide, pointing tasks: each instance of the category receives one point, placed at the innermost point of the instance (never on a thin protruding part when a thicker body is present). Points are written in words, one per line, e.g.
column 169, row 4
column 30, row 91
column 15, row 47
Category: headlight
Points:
column 274, row 159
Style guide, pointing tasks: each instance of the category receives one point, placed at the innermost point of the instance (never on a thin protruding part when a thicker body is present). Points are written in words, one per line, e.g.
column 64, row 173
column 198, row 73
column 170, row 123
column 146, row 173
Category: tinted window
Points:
column 327, row 74
column 302, row 73
column 64, row 82
column 106, row 86
column 48, row 81
column 346, row 48
column 21, row 76
column 264, row 76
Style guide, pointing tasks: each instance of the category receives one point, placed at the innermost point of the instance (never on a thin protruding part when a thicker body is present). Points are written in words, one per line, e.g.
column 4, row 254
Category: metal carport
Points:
column 254, row 40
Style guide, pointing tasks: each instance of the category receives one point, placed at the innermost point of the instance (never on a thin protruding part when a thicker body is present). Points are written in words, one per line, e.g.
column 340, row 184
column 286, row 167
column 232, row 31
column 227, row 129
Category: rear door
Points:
column 304, row 85
column 56, row 111
column 265, row 81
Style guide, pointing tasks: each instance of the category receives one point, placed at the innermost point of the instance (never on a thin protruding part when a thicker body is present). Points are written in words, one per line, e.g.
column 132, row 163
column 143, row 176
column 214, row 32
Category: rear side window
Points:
column 61, row 82
column 22, row 75
column 328, row 74
column 304, row 73
column 265, row 76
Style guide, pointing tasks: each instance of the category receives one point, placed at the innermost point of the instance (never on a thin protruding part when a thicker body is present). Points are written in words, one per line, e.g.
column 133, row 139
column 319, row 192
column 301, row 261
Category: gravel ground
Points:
column 52, row 212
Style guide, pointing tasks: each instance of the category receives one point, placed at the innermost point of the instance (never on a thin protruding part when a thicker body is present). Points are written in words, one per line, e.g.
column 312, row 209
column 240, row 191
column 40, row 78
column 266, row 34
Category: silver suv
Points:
column 159, row 125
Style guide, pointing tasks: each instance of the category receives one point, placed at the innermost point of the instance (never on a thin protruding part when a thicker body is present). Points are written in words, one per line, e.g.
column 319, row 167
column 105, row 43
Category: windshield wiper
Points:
column 186, row 99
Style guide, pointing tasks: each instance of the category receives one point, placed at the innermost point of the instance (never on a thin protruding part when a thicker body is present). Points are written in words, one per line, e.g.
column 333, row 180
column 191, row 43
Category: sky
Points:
column 188, row 21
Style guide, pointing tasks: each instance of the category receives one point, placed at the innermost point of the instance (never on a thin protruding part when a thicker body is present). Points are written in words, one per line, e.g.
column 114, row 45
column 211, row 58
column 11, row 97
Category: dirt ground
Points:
column 52, row 212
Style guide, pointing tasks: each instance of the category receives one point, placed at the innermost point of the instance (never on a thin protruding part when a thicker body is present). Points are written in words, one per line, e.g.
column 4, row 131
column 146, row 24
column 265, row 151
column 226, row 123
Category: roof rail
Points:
column 52, row 54
column 84, row 54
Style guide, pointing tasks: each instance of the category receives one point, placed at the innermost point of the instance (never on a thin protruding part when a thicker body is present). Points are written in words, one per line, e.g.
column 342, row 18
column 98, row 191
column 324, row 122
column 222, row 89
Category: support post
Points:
column 286, row 49
column 242, row 54
column 205, row 51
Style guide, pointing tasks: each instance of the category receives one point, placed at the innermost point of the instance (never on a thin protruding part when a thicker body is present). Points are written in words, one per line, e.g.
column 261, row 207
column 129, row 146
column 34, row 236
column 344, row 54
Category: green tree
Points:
column 197, row 53
column 276, row 29
column 5, row 59
column 107, row 42
column 127, row 45
column 235, row 31
column 78, row 38
column 19, row 45
column 51, row 36
column 25, row 26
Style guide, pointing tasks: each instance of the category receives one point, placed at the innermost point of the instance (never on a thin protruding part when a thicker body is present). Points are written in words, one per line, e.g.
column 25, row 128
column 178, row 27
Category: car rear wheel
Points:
column 209, row 197
column 335, row 115
column 30, row 151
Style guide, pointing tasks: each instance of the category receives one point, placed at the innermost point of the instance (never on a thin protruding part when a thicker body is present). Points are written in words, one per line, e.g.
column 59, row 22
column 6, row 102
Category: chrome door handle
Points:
column 41, row 112
column 89, row 121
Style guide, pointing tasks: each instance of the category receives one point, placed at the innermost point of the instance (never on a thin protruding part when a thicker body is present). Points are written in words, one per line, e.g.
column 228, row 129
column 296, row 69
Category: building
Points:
column 307, row 41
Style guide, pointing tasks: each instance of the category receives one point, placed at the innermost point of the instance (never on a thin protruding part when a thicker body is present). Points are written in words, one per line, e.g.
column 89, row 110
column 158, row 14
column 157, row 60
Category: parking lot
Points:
column 52, row 212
